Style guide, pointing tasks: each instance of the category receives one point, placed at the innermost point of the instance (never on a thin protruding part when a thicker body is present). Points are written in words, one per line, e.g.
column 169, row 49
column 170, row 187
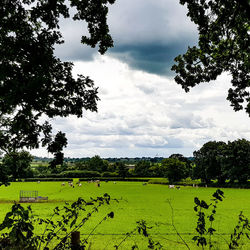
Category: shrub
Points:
column 110, row 174
column 47, row 179
column 163, row 181
column 80, row 174
column 115, row 179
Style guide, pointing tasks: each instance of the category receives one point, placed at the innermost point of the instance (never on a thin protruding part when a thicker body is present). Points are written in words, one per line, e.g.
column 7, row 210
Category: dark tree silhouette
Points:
column 209, row 162
column 223, row 46
column 33, row 81
column 237, row 161
column 221, row 161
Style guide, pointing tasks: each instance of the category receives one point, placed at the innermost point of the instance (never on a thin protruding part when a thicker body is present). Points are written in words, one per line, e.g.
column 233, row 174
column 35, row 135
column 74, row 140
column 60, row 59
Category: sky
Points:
column 142, row 111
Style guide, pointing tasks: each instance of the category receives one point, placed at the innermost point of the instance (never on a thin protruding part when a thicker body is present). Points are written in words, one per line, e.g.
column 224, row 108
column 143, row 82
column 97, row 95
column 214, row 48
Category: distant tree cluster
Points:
column 15, row 165
column 214, row 161
column 218, row 161
column 174, row 168
column 223, row 161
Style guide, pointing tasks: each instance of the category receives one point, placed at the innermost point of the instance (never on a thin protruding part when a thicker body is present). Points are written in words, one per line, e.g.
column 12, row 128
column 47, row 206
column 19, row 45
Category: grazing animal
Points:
column 171, row 186
column 114, row 182
column 63, row 184
column 38, row 182
column 178, row 187
column 79, row 184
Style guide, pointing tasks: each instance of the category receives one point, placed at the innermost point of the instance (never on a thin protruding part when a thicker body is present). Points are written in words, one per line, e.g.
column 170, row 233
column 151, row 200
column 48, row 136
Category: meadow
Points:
column 136, row 201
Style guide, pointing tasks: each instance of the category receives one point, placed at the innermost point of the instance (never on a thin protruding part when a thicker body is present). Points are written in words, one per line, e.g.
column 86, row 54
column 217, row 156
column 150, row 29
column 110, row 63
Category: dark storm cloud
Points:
column 152, row 58
column 147, row 35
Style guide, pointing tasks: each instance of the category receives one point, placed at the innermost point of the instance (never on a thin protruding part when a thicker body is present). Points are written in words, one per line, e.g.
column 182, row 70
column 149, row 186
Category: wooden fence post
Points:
column 75, row 240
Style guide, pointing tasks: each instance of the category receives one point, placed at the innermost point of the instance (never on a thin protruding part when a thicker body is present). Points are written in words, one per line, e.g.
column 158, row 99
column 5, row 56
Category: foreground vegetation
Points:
column 137, row 202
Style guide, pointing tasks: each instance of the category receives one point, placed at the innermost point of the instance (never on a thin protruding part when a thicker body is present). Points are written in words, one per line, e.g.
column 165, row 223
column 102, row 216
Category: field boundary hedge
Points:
column 162, row 181
column 46, row 179
column 79, row 174
column 189, row 182
column 227, row 185
column 115, row 179
column 85, row 179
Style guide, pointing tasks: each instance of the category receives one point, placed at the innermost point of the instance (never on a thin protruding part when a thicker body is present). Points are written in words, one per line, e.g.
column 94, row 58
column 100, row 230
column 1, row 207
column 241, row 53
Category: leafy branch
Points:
column 20, row 225
column 201, row 205
column 241, row 229
column 142, row 228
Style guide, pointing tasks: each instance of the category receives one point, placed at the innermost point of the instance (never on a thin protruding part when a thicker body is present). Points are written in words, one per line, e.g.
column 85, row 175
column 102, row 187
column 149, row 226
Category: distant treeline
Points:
column 214, row 162
column 126, row 160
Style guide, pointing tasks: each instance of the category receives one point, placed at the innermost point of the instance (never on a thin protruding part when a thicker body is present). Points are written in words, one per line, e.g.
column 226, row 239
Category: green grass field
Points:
column 149, row 202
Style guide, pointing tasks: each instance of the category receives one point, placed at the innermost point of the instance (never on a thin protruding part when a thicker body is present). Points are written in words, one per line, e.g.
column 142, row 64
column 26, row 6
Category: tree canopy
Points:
column 209, row 161
column 142, row 168
column 96, row 163
column 175, row 170
column 237, row 160
column 223, row 46
column 17, row 165
column 223, row 161
column 33, row 81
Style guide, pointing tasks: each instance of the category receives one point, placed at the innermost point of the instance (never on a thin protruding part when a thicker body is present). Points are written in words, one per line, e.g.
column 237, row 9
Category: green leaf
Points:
column 203, row 204
column 111, row 215
column 196, row 201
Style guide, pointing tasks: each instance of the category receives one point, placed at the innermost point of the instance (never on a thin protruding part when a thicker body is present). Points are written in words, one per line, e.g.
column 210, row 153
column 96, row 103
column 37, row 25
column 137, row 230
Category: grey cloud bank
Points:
column 150, row 34
column 147, row 35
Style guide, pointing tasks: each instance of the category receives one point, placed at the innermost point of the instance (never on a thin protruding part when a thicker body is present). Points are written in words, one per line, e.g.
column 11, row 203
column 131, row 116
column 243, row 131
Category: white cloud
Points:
column 142, row 114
